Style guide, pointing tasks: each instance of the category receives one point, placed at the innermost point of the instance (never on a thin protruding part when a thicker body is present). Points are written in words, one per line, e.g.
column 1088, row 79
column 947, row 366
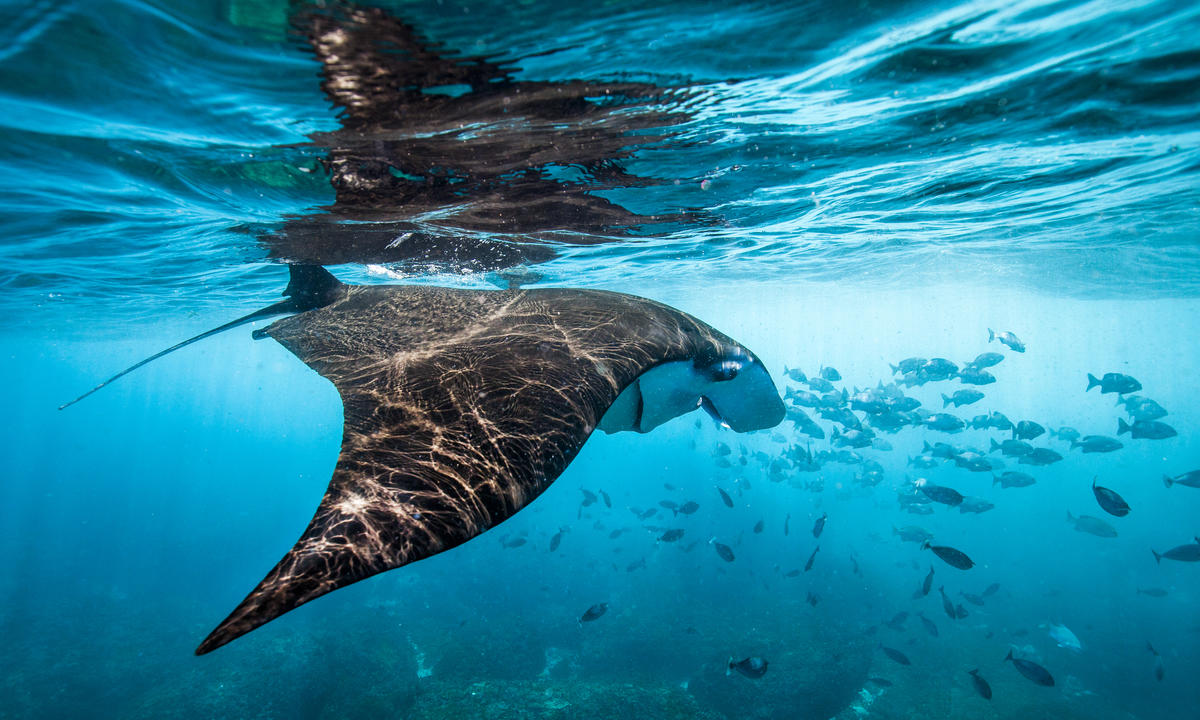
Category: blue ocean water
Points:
column 832, row 184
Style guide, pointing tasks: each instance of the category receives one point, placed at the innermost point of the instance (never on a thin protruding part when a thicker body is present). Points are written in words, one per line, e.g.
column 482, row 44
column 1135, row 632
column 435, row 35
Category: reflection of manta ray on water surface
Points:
column 451, row 161
column 462, row 406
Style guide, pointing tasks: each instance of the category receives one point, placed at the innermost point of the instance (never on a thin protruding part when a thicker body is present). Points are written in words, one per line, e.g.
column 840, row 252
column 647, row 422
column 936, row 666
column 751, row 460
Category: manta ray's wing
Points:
column 461, row 407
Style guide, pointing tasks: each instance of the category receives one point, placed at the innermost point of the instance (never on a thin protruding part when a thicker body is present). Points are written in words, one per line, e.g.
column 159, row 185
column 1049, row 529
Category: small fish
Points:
column 607, row 499
column 991, row 590
column 751, row 667
column 947, row 606
column 941, row 494
column 952, row 557
column 669, row 487
column 1062, row 635
column 930, row 626
column 1040, row 456
column 594, row 612
column 1159, row 672
column 1032, row 671
column 786, row 522
column 1066, row 434
column 960, row 612
column 1028, row 430
column 819, row 525
column 1114, row 383
column 1007, row 339
column 981, row 685
column 808, row 565
column 589, row 497
column 1092, row 525
column 812, row 599
column 514, row 543
column 1188, row 479
column 1146, row 429
column 670, row 505
column 723, row 550
column 975, row 505
column 1013, row 479
column 725, row 497
column 831, row 374
column 972, row 598
column 671, row 535
column 880, row 682
column 895, row 655
column 961, row 397
column 986, row 360
column 689, row 507
column 907, row 365
column 928, row 583
column 1182, row 553
column 647, row 514
column 912, row 533
column 1152, row 592
column 944, row 422
column 1097, row 444
column 1110, row 501
column 556, row 540
column 758, row 527
column 897, row 621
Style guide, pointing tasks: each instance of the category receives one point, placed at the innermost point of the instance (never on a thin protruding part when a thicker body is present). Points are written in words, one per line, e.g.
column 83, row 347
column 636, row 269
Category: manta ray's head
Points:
column 725, row 380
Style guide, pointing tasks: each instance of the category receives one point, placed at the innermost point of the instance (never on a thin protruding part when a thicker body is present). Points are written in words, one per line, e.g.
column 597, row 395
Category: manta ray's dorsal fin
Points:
column 310, row 287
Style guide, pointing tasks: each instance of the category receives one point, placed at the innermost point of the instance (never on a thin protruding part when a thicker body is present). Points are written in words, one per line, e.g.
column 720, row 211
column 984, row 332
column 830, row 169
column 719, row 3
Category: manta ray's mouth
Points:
column 736, row 391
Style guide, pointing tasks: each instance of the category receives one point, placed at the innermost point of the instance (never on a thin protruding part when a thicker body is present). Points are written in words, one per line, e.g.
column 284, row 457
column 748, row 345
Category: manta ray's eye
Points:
column 724, row 370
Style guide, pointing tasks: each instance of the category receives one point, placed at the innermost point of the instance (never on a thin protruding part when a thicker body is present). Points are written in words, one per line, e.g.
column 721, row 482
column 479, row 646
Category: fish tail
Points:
column 1009, row 655
column 1075, row 444
column 1151, row 648
column 945, row 401
column 1168, row 481
column 1123, row 427
column 729, row 667
column 995, row 479
column 991, row 335
column 973, row 672
column 995, row 445
column 1092, row 382
column 1157, row 557
column 895, row 368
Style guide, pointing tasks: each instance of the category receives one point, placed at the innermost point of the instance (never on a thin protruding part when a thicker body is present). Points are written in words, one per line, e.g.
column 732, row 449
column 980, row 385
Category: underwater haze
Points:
column 963, row 238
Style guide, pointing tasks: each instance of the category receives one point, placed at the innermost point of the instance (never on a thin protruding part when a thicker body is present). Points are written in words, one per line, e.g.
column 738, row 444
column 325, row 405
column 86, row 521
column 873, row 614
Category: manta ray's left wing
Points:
column 462, row 406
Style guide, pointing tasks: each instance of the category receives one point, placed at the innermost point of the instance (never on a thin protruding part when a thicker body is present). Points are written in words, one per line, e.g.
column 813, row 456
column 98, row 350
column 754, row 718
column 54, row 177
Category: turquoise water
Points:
column 840, row 185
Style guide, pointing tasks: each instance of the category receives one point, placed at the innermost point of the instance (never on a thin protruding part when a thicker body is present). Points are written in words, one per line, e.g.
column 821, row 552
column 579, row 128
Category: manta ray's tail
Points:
column 310, row 287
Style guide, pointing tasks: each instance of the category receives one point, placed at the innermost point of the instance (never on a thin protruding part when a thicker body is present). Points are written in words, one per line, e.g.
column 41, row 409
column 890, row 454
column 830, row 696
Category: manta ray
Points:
column 462, row 406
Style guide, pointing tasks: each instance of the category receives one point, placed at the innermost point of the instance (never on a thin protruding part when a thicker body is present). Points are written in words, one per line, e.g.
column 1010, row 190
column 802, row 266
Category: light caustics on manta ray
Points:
column 462, row 406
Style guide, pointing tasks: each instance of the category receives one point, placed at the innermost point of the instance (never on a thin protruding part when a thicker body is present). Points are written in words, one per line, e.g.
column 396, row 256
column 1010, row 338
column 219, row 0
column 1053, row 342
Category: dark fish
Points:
column 725, row 497
column 647, row 514
column 941, row 494
column 1182, row 553
column 1188, row 479
column 616, row 533
column 1040, row 456
column 981, row 685
column 944, row 422
column 1032, row 671
column 991, row 590
column 819, row 525
column 722, row 450
column 1152, row 592
column 986, row 360
column 639, row 563
column 953, row 558
column 1110, row 501
column 1028, row 430
column 960, row 612
column 724, row 551
column 670, row 505
column 972, row 598
column 786, row 522
column 589, row 497
column 670, row 487
column 930, row 627
column 1097, row 444
column 1114, row 383
column 514, row 543
column 808, row 565
column 961, row 397
column 912, row 364
column 751, row 667
column 1146, row 429
column 671, row 535
column 880, row 682
column 895, row 655
column 1159, row 672
column 928, row 584
column 1007, row 339
column 1012, row 447
column 689, row 507
column 831, row 374
column 854, row 566
column 556, row 540
column 607, row 499
column 594, row 612
column 897, row 621
column 812, row 599
column 1013, row 479
column 758, row 526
